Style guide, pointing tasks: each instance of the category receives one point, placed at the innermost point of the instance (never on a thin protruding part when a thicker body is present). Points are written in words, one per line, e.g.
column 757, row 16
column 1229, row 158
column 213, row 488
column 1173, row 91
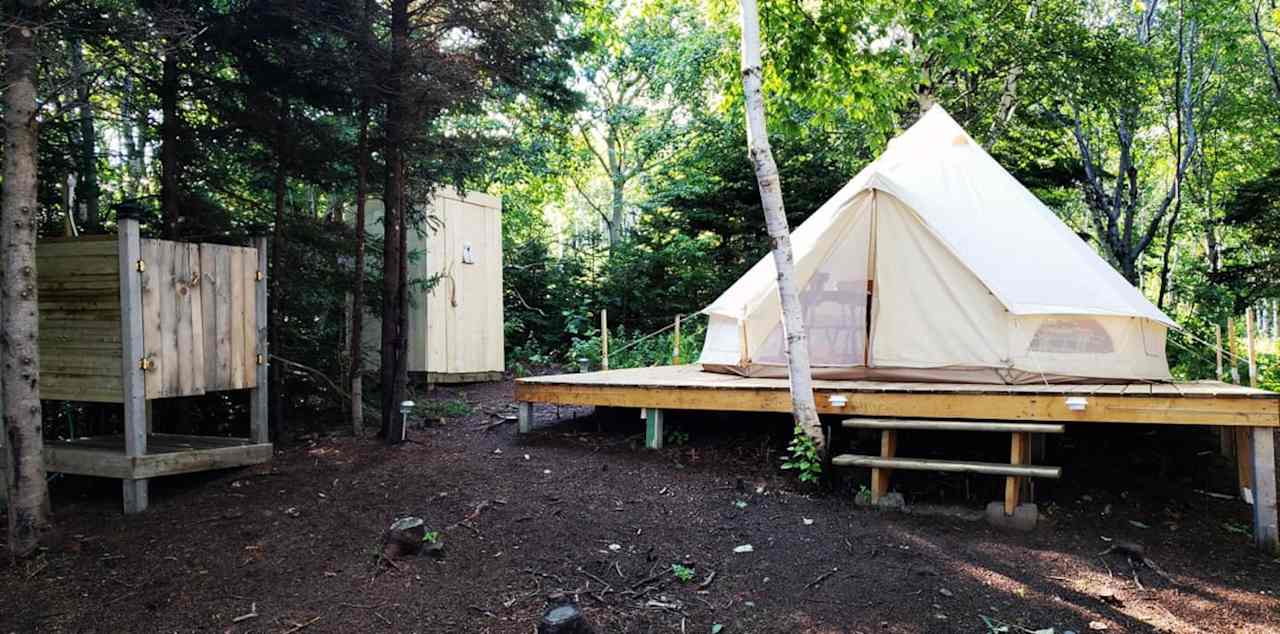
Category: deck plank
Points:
column 687, row 387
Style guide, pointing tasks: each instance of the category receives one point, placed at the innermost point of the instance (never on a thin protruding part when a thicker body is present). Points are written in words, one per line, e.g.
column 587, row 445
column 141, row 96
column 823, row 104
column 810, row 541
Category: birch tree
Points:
column 19, row 324
column 803, row 407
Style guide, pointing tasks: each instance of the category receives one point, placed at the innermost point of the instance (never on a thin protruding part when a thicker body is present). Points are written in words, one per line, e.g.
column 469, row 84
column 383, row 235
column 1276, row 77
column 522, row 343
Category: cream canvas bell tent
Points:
column 934, row 263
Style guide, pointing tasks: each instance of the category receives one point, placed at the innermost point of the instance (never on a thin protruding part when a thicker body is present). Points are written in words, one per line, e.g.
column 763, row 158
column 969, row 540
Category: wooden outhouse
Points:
column 456, row 328
column 128, row 320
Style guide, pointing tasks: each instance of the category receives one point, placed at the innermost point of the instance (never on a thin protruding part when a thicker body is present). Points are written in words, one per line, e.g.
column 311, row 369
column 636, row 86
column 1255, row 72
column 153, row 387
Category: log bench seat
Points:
column 1015, row 472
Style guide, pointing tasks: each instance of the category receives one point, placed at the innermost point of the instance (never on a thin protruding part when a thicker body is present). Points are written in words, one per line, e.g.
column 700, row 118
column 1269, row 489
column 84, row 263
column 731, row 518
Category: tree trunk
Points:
column 803, row 407
column 169, row 198
column 19, row 322
column 357, row 291
column 132, row 138
column 89, row 193
column 392, row 222
column 279, row 419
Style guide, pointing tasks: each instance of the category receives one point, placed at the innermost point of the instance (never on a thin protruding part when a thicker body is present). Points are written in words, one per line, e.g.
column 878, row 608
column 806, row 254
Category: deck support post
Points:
column 131, row 379
column 259, row 430
column 1013, row 484
column 653, row 423
column 1263, row 456
column 524, row 422
column 879, row 475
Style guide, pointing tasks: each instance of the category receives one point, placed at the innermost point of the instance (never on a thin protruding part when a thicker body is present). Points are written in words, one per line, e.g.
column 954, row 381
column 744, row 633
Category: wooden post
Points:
column 653, row 428
column 525, row 423
column 675, row 354
column 132, row 349
column 258, row 396
column 1013, row 484
column 1226, row 435
column 1217, row 332
column 1253, row 358
column 604, row 338
column 1243, row 437
column 880, row 476
column 1231, row 351
column 1263, row 456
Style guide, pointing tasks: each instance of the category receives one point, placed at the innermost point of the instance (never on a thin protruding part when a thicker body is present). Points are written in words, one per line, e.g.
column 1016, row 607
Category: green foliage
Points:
column 677, row 438
column 802, row 457
column 684, row 573
column 431, row 537
column 435, row 409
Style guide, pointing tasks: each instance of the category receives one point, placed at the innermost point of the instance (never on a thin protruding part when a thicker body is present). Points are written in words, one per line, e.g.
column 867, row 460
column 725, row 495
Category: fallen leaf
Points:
column 745, row 548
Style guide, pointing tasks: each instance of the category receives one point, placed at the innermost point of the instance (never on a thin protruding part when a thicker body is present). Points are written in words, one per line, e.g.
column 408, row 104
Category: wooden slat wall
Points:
column 79, row 290
column 173, row 319
column 227, row 288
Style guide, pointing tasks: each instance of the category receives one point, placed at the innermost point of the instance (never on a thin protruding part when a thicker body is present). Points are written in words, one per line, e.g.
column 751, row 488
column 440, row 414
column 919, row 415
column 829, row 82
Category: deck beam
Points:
column 734, row 394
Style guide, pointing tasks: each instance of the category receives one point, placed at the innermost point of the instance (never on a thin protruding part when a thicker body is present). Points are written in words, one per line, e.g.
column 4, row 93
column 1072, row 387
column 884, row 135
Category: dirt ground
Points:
column 578, row 509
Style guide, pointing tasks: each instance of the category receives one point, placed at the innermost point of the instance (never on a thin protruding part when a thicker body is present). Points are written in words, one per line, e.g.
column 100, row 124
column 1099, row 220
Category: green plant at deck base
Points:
column 803, row 457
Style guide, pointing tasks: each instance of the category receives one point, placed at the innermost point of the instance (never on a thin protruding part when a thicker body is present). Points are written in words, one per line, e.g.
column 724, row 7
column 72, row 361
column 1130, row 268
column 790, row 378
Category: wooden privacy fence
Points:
column 198, row 304
column 127, row 320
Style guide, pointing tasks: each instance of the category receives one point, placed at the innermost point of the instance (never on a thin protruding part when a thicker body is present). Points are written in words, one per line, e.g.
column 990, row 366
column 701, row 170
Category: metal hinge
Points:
column 141, row 266
column 257, row 275
column 146, row 363
column 262, row 359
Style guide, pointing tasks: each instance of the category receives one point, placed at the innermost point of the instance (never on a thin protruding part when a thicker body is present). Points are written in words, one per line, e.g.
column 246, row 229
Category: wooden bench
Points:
column 1015, row 472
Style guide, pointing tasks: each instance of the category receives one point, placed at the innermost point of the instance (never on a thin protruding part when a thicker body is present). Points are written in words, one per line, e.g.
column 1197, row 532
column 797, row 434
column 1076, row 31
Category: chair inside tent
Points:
column 936, row 264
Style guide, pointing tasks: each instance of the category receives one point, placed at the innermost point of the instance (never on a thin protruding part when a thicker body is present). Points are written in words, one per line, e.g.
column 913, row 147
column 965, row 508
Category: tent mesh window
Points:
column 1072, row 336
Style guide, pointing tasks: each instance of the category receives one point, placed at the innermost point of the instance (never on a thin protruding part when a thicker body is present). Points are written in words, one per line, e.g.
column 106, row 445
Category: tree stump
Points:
column 404, row 538
column 565, row 618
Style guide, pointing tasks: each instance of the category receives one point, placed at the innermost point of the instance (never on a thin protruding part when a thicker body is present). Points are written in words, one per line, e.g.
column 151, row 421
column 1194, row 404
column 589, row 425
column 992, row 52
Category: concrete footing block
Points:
column 1025, row 517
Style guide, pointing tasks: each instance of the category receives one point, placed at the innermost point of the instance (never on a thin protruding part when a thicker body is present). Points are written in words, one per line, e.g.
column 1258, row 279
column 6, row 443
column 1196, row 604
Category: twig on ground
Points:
column 607, row 586
column 251, row 614
column 822, row 577
column 298, row 626
column 707, row 582
column 383, row 618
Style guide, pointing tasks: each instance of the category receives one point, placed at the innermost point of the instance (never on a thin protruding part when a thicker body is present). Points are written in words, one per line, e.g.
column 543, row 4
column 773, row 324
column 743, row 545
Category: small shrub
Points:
column 803, row 456
column 684, row 573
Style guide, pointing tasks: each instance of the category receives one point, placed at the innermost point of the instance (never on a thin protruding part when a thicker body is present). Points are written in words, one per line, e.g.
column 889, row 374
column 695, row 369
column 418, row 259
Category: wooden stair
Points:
column 1015, row 472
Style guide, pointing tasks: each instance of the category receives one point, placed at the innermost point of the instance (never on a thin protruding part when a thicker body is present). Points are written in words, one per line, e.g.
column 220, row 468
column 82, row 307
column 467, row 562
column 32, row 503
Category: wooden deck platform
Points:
column 1253, row 415
column 687, row 387
column 167, row 454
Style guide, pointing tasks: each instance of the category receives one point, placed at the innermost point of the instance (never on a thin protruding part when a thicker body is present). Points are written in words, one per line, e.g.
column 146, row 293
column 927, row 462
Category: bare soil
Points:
column 579, row 510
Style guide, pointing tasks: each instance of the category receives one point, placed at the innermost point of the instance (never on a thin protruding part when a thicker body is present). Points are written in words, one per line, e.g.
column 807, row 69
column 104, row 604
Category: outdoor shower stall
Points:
column 129, row 320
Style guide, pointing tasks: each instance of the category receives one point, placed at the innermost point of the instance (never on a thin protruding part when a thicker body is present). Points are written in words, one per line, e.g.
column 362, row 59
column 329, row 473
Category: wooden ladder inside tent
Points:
column 1015, row 471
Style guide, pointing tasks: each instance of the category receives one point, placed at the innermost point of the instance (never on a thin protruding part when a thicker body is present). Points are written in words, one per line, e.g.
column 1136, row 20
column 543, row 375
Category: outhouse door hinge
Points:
column 141, row 266
column 146, row 363
column 257, row 275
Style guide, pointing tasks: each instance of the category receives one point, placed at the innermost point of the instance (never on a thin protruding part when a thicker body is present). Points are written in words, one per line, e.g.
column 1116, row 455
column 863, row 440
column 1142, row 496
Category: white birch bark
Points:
column 803, row 407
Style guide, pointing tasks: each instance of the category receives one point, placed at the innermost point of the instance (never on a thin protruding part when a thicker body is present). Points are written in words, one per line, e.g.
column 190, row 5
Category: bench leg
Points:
column 1263, row 463
column 653, row 419
column 525, row 419
column 1013, row 484
column 880, row 476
